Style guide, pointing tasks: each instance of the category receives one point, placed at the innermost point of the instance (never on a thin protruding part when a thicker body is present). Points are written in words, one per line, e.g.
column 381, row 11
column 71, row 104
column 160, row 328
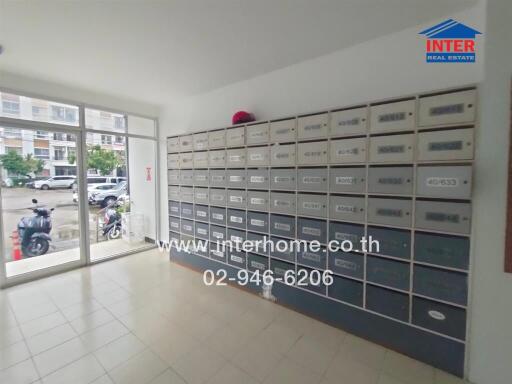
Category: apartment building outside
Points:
column 57, row 150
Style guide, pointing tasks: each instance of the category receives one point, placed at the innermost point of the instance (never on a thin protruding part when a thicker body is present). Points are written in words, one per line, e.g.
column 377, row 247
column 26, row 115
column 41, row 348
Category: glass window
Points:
column 42, row 135
column 59, row 153
column 106, row 139
column 41, row 153
column 104, row 121
column 18, row 150
column 11, row 133
column 29, row 108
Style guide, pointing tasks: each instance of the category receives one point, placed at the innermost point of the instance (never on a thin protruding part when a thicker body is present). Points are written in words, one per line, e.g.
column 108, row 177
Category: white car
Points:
column 107, row 195
column 94, row 188
column 55, row 182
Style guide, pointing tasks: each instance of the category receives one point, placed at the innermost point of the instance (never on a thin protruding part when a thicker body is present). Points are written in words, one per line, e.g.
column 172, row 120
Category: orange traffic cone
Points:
column 16, row 251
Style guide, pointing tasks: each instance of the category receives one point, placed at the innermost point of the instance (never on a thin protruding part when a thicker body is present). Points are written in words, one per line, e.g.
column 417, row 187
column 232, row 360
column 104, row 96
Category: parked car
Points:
column 31, row 183
column 94, row 188
column 105, row 197
column 95, row 180
column 55, row 182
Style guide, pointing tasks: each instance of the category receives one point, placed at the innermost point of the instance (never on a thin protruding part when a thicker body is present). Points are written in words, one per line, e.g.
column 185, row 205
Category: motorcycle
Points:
column 34, row 232
column 112, row 222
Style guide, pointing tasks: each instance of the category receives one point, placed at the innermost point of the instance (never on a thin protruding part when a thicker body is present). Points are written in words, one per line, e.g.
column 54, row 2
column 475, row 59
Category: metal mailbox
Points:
column 347, row 290
column 237, row 218
column 317, row 260
column 348, row 151
column 217, row 159
column 282, row 155
column 258, row 200
column 257, row 262
column 186, row 160
column 443, row 216
column 187, row 194
column 217, row 233
column 217, row 178
column 312, row 205
column 187, row 177
column 391, row 242
column 283, row 131
column 281, row 202
column 218, row 196
column 202, row 231
column 174, row 208
column 201, row 177
column 347, row 208
column 257, row 178
column 187, row 227
column 236, row 198
column 217, row 253
column 395, row 212
column 280, row 268
column 200, row 159
column 283, row 179
column 439, row 317
column 187, row 210
column 173, row 161
column 387, row 272
column 453, row 144
column 391, row 180
column 235, row 137
column 452, row 182
column 218, row 215
column 174, row 238
column 235, row 158
column 282, row 225
column 200, row 141
column 173, row 177
column 441, row 284
column 392, row 149
column 281, row 250
column 312, row 179
column 312, row 153
column 346, row 232
column 349, row 122
column 399, row 116
column 259, row 242
column 201, row 212
column 258, row 156
column 257, row 221
column 174, row 223
column 217, row 139
column 312, row 229
column 444, row 250
column 173, row 145
column 313, row 127
column 201, row 195
column 237, row 259
column 448, row 108
column 347, row 263
column 173, row 192
column 186, row 143
column 351, row 180
column 387, row 302
column 236, row 237
column 236, row 178
column 257, row 134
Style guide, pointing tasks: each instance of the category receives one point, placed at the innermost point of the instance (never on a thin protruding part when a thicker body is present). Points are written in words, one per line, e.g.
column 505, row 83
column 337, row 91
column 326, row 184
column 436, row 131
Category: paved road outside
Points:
column 65, row 232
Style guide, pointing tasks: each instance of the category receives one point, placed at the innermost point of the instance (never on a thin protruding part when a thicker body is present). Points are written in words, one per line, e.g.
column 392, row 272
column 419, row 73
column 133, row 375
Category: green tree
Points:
column 34, row 165
column 14, row 163
column 103, row 160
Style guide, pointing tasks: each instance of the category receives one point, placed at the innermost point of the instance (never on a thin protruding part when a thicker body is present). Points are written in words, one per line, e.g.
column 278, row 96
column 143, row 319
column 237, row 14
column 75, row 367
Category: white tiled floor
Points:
column 141, row 319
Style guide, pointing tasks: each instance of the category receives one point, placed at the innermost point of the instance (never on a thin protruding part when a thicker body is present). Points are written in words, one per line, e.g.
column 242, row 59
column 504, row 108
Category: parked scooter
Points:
column 34, row 232
column 112, row 222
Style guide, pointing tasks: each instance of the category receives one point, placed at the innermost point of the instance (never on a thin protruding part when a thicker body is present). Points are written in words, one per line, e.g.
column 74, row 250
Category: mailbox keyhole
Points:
column 470, row 105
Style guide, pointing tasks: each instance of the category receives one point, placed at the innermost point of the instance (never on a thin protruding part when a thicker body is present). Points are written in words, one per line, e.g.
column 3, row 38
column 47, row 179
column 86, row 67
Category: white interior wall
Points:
column 390, row 66
column 490, row 354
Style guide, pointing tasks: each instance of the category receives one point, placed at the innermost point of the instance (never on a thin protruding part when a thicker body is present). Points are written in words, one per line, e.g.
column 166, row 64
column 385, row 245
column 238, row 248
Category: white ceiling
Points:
column 157, row 51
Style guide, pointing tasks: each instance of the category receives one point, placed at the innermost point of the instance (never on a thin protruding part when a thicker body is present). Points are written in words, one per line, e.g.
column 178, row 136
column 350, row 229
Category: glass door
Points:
column 40, row 209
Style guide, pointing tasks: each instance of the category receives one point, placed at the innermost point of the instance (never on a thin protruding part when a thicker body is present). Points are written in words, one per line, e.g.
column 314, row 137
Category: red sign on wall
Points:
column 148, row 173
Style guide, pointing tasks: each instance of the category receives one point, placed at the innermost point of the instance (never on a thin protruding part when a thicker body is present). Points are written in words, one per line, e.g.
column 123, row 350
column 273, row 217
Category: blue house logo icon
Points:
column 450, row 42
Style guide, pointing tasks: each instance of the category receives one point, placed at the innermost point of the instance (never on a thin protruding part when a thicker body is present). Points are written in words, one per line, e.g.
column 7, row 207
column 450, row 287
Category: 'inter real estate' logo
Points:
column 450, row 42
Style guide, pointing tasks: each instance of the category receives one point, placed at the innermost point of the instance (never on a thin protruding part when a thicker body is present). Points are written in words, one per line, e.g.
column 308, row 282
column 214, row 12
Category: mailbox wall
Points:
column 397, row 170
